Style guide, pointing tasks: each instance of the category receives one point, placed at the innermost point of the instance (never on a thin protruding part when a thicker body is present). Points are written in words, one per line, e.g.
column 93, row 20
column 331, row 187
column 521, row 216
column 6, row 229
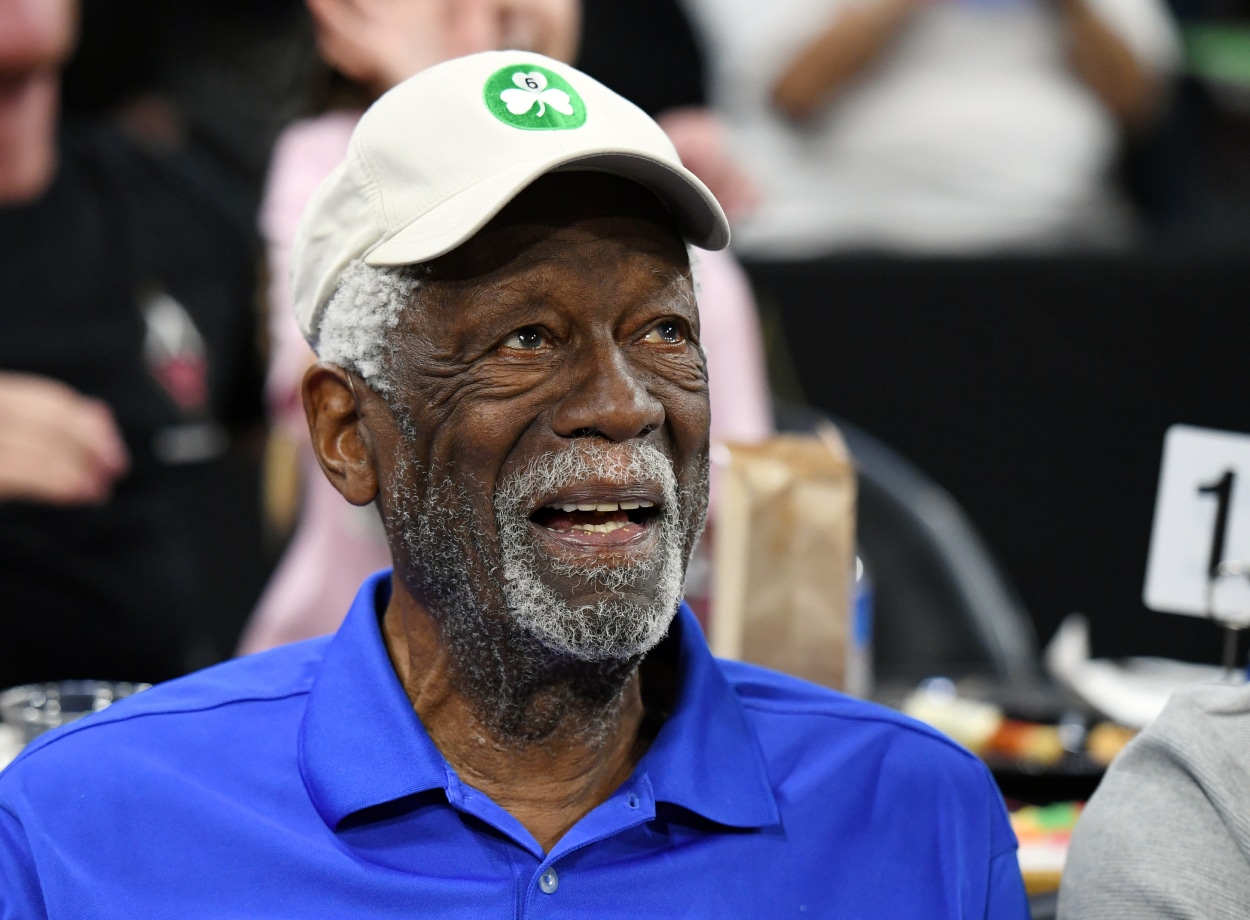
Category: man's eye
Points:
column 668, row 332
column 529, row 338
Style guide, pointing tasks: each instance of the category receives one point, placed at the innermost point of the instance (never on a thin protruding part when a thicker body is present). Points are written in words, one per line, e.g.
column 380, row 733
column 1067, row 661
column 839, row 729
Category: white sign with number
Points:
column 1202, row 518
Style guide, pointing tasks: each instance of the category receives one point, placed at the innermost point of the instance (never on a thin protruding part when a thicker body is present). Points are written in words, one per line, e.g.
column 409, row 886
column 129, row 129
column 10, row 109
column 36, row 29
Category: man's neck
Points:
column 547, row 782
column 29, row 106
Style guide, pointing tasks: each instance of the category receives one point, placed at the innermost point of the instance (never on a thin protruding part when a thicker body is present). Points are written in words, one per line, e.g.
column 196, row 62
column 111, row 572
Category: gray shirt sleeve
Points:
column 1167, row 834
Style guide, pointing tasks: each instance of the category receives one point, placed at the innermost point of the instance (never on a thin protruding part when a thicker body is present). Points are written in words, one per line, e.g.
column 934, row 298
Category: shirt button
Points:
column 549, row 881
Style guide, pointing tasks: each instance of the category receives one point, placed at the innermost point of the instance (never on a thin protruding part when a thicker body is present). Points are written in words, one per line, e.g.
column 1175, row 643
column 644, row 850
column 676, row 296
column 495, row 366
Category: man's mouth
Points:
column 601, row 522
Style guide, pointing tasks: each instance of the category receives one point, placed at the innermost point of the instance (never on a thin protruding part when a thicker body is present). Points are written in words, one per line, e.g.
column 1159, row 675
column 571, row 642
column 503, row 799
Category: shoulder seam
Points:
column 86, row 725
column 904, row 722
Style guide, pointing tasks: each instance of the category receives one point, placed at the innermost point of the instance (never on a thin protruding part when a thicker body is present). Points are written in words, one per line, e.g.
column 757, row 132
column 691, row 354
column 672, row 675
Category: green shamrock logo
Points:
column 533, row 98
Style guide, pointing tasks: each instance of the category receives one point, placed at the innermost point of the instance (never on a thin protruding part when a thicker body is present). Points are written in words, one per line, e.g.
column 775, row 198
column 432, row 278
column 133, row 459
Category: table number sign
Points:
column 1202, row 519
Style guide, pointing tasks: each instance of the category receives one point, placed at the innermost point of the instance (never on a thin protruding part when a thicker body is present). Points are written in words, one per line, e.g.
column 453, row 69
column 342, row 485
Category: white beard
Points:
column 511, row 636
column 615, row 625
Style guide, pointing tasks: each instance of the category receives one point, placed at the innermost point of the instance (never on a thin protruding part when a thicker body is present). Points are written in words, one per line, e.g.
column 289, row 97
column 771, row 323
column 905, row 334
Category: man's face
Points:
column 551, row 395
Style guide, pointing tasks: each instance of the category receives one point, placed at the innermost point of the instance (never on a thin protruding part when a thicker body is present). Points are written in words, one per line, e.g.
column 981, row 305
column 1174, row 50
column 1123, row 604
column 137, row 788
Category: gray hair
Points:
column 366, row 306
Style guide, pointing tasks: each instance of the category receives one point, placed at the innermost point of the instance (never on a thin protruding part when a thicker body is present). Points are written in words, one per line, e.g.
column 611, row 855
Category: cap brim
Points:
column 441, row 229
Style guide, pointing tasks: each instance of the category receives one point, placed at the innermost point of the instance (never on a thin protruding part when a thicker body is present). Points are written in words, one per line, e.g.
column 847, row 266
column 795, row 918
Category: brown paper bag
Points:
column 784, row 556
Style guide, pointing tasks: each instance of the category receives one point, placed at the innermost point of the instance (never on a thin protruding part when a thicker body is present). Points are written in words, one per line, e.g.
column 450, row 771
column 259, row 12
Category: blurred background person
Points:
column 934, row 126
column 1167, row 834
column 369, row 46
column 126, row 361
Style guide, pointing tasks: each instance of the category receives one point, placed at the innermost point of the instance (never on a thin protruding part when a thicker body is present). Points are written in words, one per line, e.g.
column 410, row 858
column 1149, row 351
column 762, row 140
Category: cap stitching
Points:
column 373, row 186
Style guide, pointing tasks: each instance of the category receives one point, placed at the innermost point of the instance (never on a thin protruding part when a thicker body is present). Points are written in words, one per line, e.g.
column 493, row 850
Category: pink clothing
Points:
column 305, row 154
column 336, row 544
column 730, row 332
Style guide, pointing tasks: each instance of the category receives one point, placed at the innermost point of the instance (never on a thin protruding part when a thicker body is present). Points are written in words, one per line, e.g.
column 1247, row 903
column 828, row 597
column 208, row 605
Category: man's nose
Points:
column 607, row 398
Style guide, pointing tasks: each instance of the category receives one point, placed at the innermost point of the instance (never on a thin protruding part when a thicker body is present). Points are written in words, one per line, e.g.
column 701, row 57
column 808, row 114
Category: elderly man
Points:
column 521, row 720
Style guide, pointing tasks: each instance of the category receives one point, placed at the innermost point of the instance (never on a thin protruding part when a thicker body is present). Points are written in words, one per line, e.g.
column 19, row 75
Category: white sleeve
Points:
column 1146, row 27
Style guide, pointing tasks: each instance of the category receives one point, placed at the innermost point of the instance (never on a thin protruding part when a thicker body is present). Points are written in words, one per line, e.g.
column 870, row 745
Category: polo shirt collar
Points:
column 361, row 743
column 707, row 757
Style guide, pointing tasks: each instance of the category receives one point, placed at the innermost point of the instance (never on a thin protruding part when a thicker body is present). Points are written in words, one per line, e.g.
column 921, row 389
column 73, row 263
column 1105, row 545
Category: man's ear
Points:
column 342, row 437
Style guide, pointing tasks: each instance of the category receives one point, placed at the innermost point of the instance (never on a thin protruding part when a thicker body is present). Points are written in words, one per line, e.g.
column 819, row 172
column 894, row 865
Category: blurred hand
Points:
column 380, row 42
column 550, row 27
column 847, row 47
column 700, row 142
column 56, row 445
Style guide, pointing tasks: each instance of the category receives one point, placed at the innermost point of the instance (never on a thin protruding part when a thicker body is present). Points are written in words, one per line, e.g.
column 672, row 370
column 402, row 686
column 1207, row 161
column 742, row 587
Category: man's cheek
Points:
column 689, row 424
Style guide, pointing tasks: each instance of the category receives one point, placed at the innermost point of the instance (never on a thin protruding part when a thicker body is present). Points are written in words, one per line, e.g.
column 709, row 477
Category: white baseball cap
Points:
column 439, row 155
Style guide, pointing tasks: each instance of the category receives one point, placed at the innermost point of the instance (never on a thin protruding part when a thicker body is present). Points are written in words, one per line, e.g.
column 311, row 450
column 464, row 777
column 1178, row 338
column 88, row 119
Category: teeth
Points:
column 605, row 506
column 593, row 528
column 600, row 528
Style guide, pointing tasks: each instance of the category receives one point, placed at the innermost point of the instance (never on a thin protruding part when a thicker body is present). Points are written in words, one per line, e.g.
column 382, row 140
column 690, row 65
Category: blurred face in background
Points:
column 550, row 27
column 36, row 35
column 378, row 43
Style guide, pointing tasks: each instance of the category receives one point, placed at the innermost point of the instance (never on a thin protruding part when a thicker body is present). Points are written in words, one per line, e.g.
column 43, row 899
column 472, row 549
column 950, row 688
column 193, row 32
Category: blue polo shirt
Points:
column 300, row 783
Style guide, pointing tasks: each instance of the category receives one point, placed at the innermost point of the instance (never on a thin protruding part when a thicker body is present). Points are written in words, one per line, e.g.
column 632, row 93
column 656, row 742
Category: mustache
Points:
column 587, row 461
column 613, row 624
